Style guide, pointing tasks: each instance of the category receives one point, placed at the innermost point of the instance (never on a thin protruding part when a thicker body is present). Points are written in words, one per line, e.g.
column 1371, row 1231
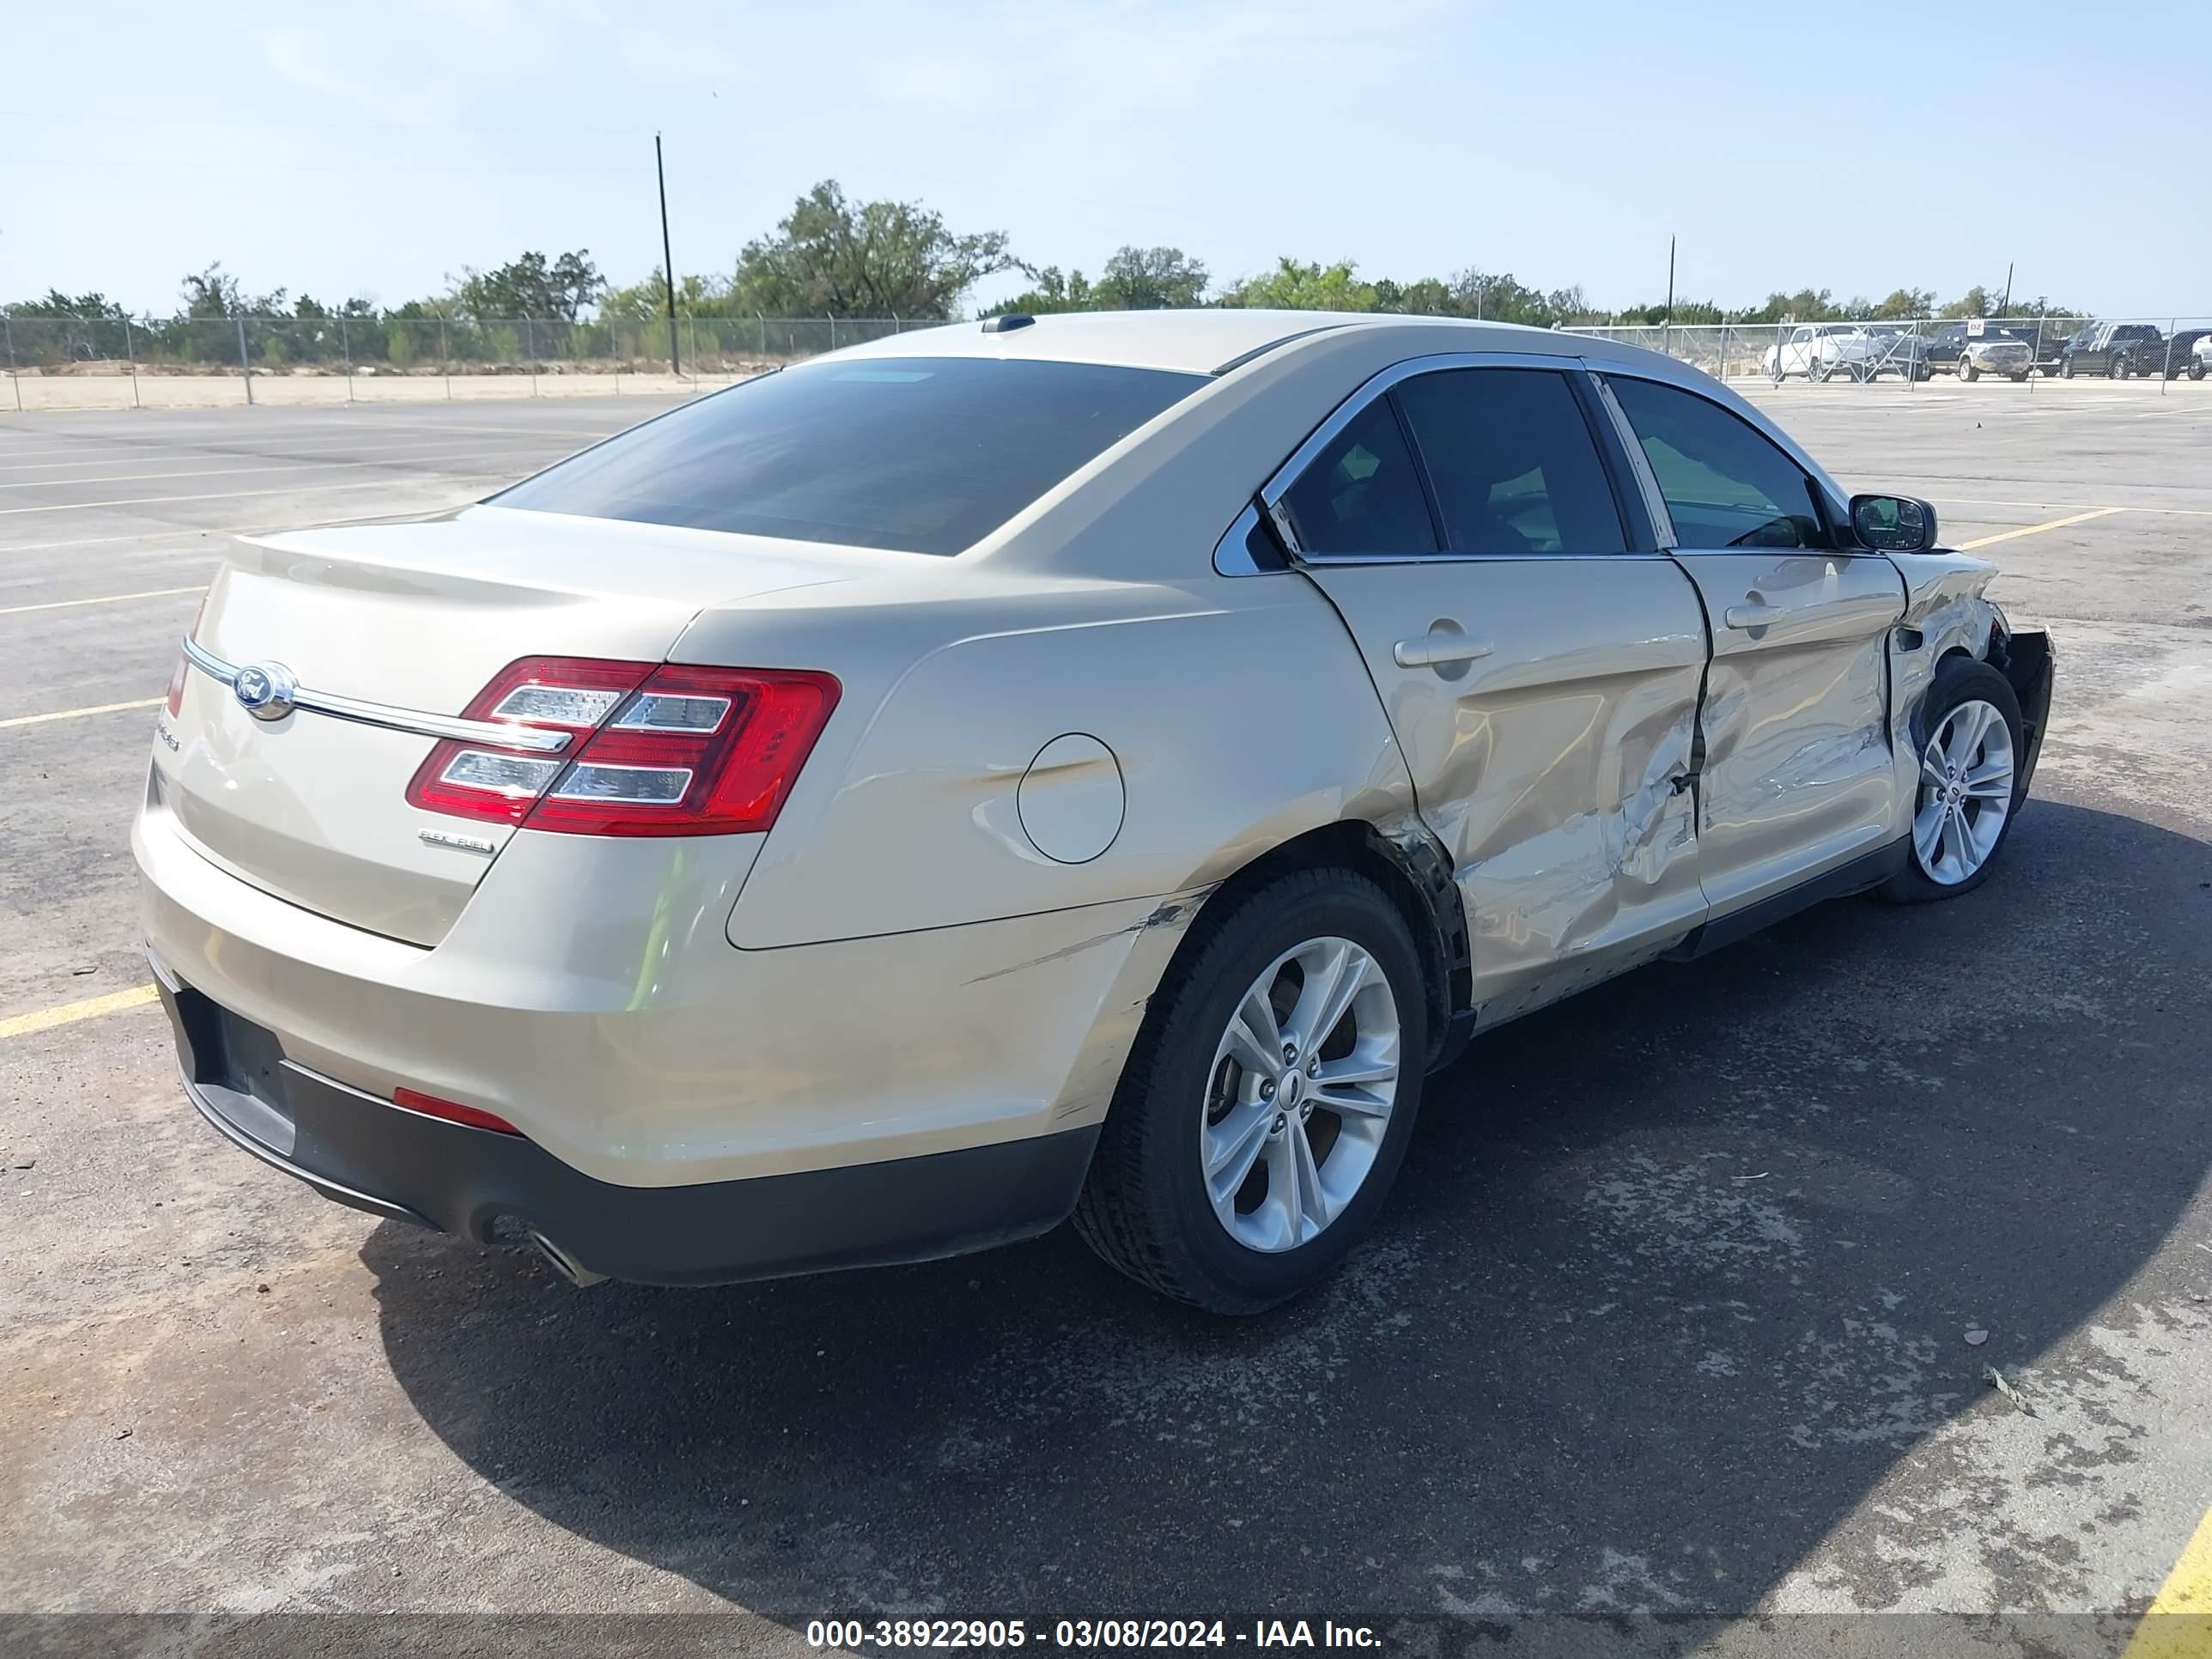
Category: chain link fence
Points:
column 1910, row 354
column 71, row 362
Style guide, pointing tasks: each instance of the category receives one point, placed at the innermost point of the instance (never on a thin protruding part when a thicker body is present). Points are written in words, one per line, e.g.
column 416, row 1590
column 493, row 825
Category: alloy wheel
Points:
column 1299, row 1094
column 1966, row 792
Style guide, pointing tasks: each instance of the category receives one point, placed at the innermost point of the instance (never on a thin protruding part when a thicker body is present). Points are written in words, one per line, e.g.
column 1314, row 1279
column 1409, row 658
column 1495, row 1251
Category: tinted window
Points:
column 921, row 455
column 1725, row 484
column 1360, row 495
column 1512, row 462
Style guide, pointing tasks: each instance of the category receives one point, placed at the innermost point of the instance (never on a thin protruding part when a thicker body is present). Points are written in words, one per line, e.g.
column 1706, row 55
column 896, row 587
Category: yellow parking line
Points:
column 69, row 1013
column 105, row 598
column 2179, row 1623
column 2037, row 529
column 73, row 713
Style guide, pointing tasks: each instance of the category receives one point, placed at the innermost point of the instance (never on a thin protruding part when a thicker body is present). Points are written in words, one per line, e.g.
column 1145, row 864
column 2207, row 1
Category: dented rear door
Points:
column 1541, row 674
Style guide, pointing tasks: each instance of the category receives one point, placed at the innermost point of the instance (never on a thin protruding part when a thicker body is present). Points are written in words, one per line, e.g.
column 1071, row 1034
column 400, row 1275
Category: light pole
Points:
column 667, row 259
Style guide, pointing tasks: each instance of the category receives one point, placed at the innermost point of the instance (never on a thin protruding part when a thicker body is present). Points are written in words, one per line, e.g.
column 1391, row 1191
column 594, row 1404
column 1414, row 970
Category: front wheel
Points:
column 2196, row 371
column 2017, row 378
column 1970, row 372
column 2066, row 369
column 1266, row 1103
column 1969, row 787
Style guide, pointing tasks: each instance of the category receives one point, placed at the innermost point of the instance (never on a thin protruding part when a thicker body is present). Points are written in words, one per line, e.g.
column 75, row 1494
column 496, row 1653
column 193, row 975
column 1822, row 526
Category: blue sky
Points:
column 376, row 151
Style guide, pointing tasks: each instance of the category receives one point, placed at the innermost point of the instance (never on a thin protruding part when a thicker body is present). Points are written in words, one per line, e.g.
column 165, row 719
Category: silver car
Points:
column 1095, row 765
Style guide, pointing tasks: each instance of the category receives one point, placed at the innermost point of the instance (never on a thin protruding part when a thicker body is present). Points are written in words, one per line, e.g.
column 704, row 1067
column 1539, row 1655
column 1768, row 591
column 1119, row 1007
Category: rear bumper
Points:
column 588, row 995
column 366, row 1152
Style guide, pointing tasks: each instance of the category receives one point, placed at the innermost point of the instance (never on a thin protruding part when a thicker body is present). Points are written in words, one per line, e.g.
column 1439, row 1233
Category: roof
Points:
column 1195, row 341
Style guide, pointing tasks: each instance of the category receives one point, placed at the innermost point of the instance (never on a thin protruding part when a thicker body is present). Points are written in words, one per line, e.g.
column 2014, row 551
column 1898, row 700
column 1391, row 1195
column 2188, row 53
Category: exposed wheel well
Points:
column 1409, row 865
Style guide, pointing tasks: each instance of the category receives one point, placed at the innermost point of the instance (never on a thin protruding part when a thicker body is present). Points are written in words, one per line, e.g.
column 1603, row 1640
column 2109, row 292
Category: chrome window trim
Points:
column 1271, row 493
column 498, row 734
column 1698, row 384
column 1647, row 481
column 1231, row 555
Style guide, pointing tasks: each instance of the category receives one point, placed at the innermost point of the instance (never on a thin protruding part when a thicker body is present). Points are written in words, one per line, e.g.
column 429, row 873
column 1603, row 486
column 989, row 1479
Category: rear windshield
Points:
column 917, row 455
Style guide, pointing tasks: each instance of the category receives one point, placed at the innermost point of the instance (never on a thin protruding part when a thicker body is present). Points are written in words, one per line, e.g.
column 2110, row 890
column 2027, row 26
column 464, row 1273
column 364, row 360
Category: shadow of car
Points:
column 1676, row 1275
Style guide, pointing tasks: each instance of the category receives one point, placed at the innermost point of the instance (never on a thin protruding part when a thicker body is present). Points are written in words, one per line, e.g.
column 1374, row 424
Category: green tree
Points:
column 530, row 287
column 1133, row 279
column 1974, row 302
column 1294, row 287
column 90, row 307
column 831, row 258
column 640, row 302
column 1052, row 290
column 1903, row 305
column 215, row 293
column 1149, row 279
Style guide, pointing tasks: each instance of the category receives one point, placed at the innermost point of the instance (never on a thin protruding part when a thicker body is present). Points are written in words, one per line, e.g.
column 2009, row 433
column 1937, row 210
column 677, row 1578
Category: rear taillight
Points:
column 176, row 700
column 655, row 750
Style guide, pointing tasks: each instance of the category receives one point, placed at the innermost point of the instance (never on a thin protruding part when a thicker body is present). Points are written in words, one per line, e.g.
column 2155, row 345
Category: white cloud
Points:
column 1131, row 55
column 303, row 58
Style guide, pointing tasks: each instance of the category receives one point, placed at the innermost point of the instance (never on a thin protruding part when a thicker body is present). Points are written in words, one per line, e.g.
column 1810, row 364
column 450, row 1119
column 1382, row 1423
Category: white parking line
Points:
column 300, row 465
column 212, row 495
column 351, row 449
column 105, row 598
column 79, row 714
column 142, row 535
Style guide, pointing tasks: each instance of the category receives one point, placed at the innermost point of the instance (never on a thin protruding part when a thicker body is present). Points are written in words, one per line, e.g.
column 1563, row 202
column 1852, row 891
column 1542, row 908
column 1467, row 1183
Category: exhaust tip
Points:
column 565, row 1264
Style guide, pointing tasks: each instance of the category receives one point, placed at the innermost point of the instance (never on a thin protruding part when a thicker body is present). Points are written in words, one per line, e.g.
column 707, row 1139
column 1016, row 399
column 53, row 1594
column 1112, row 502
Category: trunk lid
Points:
column 417, row 616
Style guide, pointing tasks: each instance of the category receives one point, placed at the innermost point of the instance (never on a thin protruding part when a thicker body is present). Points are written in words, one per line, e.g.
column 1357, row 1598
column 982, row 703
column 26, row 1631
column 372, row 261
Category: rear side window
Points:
column 1360, row 495
column 916, row 454
column 1512, row 462
column 1725, row 483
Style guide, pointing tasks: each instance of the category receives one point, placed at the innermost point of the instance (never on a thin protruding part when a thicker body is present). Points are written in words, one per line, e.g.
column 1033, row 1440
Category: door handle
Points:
column 1754, row 616
column 1438, row 649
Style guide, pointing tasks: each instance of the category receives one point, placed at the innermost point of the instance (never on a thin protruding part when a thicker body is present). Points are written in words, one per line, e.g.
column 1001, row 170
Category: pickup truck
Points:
column 1971, row 349
column 2114, row 349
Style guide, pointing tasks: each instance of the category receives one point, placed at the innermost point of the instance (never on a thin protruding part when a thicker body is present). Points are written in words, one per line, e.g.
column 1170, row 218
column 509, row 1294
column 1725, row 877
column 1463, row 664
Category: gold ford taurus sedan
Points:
column 1094, row 765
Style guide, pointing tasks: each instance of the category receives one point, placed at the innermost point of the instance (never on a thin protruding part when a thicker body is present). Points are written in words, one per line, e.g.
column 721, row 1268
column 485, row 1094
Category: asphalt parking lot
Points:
column 1669, row 1315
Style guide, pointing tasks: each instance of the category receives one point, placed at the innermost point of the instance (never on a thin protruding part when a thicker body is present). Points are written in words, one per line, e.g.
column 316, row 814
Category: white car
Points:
column 1096, row 764
column 1821, row 351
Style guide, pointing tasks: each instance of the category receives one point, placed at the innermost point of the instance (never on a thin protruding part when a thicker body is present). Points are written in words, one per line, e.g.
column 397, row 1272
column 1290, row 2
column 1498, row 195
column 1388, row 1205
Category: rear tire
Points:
column 1193, row 1081
column 2019, row 378
column 1971, row 786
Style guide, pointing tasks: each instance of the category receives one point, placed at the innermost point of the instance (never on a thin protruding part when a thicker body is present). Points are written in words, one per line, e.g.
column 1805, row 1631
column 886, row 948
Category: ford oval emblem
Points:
column 265, row 690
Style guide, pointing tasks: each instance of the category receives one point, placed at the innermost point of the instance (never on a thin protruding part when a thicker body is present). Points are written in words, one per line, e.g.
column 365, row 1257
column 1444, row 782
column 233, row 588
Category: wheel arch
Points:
column 1402, row 857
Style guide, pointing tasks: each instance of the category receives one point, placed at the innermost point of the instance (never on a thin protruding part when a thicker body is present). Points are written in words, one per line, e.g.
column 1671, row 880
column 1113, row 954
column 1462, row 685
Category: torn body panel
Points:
column 1798, row 774
column 1947, row 611
column 1549, row 755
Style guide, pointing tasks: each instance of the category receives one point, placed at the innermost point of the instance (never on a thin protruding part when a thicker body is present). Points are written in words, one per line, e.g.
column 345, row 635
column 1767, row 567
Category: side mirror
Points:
column 1894, row 524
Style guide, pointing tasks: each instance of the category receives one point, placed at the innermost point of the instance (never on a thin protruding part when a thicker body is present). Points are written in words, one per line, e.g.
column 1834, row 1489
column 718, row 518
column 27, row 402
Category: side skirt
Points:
column 1861, row 874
